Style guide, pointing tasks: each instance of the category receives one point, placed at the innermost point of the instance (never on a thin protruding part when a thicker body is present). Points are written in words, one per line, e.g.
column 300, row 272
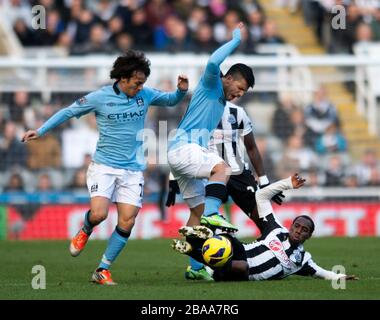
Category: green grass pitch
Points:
column 150, row 269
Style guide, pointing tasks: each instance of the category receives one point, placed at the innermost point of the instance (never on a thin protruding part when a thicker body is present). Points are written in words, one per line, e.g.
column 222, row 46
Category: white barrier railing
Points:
column 285, row 71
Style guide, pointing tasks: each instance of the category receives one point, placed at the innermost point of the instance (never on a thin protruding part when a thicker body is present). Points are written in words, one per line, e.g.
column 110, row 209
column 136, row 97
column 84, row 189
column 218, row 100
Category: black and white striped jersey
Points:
column 274, row 257
column 227, row 139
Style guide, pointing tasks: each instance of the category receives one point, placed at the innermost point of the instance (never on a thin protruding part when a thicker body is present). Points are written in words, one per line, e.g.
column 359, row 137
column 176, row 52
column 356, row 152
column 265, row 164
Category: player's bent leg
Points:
column 216, row 192
column 97, row 213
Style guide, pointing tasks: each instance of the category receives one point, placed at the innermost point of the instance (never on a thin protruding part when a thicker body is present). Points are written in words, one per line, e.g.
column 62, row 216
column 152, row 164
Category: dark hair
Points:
column 132, row 61
column 307, row 218
column 243, row 70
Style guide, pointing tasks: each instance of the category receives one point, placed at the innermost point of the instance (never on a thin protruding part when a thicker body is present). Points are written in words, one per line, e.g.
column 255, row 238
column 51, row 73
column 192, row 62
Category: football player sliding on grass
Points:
column 277, row 254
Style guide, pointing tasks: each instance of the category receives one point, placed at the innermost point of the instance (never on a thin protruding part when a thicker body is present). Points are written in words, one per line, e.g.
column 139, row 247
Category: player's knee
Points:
column 221, row 169
column 126, row 223
column 98, row 215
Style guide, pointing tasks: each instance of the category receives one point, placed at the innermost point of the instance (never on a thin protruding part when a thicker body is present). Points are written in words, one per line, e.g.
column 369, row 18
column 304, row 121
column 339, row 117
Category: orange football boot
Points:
column 78, row 243
column 103, row 277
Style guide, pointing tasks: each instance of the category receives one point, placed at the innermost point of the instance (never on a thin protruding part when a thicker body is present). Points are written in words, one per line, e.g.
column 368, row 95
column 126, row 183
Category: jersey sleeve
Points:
column 212, row 73
column 246, row 123
column 164, row 99
column 310, row 268
column 80, row 107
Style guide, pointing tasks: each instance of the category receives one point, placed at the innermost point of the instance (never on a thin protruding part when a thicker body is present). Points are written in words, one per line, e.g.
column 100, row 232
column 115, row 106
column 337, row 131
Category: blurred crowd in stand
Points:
column 303, row 138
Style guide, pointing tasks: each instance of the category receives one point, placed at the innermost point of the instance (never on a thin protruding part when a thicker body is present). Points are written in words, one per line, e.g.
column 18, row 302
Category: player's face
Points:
column 300, row 231
column 235, row 87
column 133, row 85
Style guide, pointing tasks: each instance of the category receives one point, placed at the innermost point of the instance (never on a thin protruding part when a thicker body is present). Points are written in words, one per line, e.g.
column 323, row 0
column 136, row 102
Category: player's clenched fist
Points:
column 30, row 135
column 183, row 82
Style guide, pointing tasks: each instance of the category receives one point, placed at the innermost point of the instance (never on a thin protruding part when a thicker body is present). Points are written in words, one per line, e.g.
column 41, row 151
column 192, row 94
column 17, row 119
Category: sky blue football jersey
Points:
column 119, row 119
column 207, row 104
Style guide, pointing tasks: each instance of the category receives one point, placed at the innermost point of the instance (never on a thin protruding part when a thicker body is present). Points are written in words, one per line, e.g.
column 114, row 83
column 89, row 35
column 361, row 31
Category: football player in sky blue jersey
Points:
column 116, row 172
column 189, row 159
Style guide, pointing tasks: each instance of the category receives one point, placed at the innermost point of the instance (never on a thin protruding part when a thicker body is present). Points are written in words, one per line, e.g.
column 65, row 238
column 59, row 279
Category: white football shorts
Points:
column 191, row 166
column 118, row 185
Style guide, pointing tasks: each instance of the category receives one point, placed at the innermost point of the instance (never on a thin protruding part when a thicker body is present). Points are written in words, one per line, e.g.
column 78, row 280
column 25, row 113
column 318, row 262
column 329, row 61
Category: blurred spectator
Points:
column 124, row 42
column 335, row 172
column 255, row 25
column 223, row 30
column 17, row 9
column 331, row 141
column 97, row 43
column 54, row 27
column 44, row 183
column 342, row 40
column 218, row 8
column 15, row 183
column 203, row 39
column 80, row 26
column 24, row 33
column 142, row 31
column 368, row 169
column 375, row 25
column 246, row 46
column 157, row 11
column 2, row 120
column 320, row 114
column 297, row 120
column 296, row 157
column 282, row 126
column 178, row 38
column 351, row 181
column 12, row 152
column 198, row 17
column 364, row 34
column 270, row 34
column 64, row 41
column 20, row 110
column 115, row 27
column 314, row 177
column 85, row 135
column 183, row 8
column 44, row 153
column 104, row 9
column 79, row 182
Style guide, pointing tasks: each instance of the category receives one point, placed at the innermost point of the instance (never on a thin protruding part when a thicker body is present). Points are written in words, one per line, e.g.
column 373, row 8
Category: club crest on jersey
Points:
column 275, row 245
column 231, row 119
column 140, row 101
column 296, row 257
column 81, row 101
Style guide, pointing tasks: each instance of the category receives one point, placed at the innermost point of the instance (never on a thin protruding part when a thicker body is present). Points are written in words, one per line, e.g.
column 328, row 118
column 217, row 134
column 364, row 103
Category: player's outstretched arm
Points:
column 224, row 51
